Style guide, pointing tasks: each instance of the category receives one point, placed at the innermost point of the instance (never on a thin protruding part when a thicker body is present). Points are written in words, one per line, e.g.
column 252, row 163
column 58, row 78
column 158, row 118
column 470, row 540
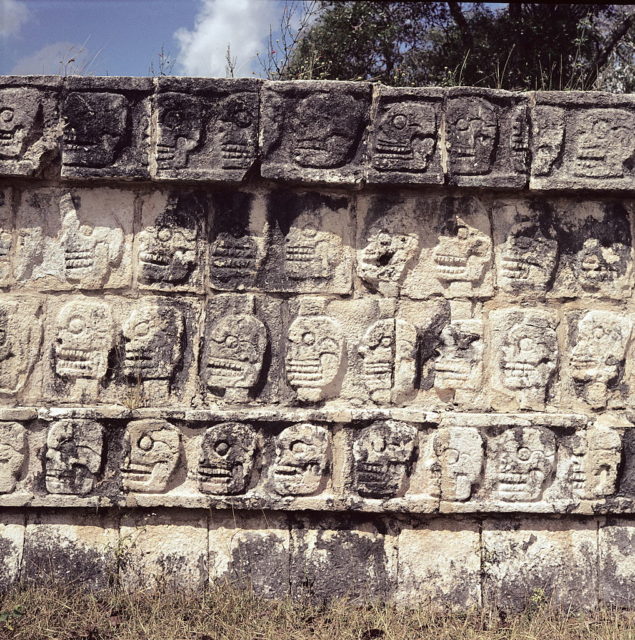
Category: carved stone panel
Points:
column 7, row 235
column 314, row 131
column 106, row 127
column 459, row 365
column 405, row 143
column 74, row 239
column 526, row 357
column 73, row 456
column 206, row 129
column 458, row 462
column 151, row 455
column 583, row 141
column 310, row 240
column 12, row 454
column 170, row 247
column 487, row 137
column 29, row 123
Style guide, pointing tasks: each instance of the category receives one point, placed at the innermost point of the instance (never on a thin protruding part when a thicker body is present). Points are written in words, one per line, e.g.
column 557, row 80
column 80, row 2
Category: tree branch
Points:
column 461, row 23
column 603, row 54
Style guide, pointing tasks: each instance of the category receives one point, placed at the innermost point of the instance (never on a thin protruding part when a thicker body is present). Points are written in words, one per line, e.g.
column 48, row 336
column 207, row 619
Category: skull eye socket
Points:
column 527, row 344
column 399, row 121
column 242, row 118
column 598, row 333
column 231, row 341
column 221, row 447
column 76, row 325
column 6, row 115
column 451, row 456
column 386, row 341
column 145, row 442
column 462, row 233
column 164, row 235
column 601, row 128
column 462, row 124
column 173, row 118
column 298, row 447
column 85, row 230
column 142, row 329
column 378, row 444
column 524, row 454
column 308, row 338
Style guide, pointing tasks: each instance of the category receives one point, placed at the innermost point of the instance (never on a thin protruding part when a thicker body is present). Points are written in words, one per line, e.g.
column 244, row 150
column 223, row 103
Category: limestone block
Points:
column 170, row 247
column 487, row 134
column 106, row 127
column 29, row 123
column 552, row 561
column 440, row 564
column 250, row 550
column 239, row 240
column 13, row 451
column 526, row 247
column 314, row 131
column 405, row 142
column 74, row 239
column 71, row 547
column 526, row 357
column 341, row 558
column 12, row 526
column 616, row 570
column 626, row 479
column 598, row 343
column 583, row 140
column 596, row 249
column 7, row 242
column 207, row 129
column 310, row 240
column 164, row 549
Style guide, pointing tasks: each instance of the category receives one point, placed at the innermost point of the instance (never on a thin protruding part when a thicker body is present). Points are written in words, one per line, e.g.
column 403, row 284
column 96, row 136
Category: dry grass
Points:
column 229, row 614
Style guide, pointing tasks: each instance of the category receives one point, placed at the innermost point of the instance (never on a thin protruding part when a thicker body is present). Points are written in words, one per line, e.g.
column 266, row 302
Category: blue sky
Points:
column 123, row 37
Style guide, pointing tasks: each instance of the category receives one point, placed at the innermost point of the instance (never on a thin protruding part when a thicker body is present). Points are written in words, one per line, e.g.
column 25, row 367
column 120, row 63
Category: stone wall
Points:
column 322, row 338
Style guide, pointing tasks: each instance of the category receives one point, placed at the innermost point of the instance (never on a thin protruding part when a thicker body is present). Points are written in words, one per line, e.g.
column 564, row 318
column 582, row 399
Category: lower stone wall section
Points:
column 457, row 563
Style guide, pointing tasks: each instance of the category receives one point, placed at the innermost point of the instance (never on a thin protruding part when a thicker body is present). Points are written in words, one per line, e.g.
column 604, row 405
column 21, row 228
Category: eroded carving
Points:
column 73, row 456
column 548, row 138
column 12, row 452
column 18, row 110
column 522, row 462
column 310, row 252
column 237, row 131
column 597, row 263
column 302, row 460
column 383, row 454
column 151, row 455
column 597, row 357
column 459, row 455
column 179, row 128
column 460, row 361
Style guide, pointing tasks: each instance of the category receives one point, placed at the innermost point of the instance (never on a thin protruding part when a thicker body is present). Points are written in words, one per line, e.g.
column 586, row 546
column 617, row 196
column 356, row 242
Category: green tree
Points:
column 519, row 46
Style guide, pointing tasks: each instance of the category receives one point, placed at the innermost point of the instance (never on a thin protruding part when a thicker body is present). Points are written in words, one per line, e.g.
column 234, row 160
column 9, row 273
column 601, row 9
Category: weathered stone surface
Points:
column 616, row 571
column 206, row 130
column 12, row 527
column 314, row 131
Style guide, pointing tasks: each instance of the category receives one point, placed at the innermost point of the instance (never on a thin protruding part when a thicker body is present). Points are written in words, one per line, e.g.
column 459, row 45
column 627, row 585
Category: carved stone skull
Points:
column 152, row 341
column 472, row 135
column 18, row 110
column 227, row 458
column 523, row 460
column 460, row 361
column 308, row 251
column 548, row 138
column 95, row 128
column 179, row 128
column 597, row 263
column 12, row 451
column 73, row 456
column 151, row 455
column 237, row 131
column 383, row 455
column 302, row 460
column 459, row 453
column 84, row 339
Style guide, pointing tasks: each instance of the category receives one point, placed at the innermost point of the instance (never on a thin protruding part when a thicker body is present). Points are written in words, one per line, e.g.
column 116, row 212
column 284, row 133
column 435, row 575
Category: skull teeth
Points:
column 225, row 367
column 207, row 472
column 288, row 470
column 155, row 259
column 6, row 136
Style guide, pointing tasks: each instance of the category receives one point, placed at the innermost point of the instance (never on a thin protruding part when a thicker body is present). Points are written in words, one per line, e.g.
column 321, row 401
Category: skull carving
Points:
column 603, row 143
column 459, row 454
column 389, row 359
column 18, row 110
column 405, row 137
column 388, row 255
column 472, row 135
column 168, row 249
column 302, row 460
column 523, row 461
column 309, row 252
column 463, row 254
column 519, row 139
column 325, row 133
column 314, row 352
column 153, row 335
column 235, row 351
column 84, row 340
column 151, row 455
column 548, row 138
column 233, row 258
column 227, row 458
column 460, row 361
column 597, row 358
column 383, row 455
column 600, row 263
column 73, row 456
column 90, row 253
column 12, row 451
column 237, row 132
column 528, row 258
column 179, row 129
column 95, row 128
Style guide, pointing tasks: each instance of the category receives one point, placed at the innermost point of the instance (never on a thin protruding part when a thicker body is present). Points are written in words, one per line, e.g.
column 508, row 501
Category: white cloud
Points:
column 64, row 58
column 243, row 24
column 13, row 14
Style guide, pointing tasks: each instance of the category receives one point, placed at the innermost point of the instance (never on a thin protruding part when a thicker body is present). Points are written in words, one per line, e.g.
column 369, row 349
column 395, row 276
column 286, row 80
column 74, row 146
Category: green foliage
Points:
column 519, row 46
